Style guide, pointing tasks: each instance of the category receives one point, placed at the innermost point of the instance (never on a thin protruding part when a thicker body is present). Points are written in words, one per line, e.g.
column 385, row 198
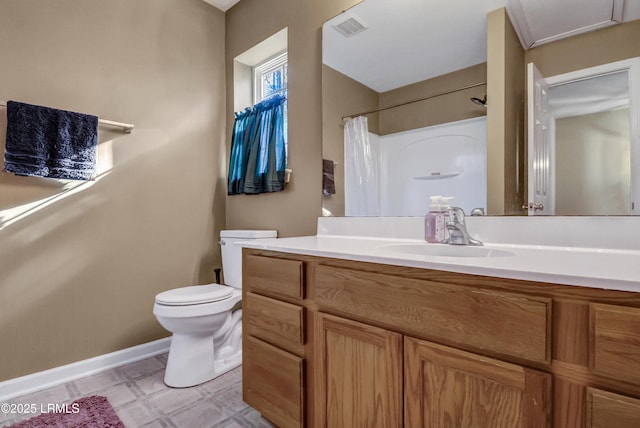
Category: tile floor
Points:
column 141, row 399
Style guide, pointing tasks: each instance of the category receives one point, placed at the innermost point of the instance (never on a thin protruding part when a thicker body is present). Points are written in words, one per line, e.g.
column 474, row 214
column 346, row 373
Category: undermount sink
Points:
column 442, row 250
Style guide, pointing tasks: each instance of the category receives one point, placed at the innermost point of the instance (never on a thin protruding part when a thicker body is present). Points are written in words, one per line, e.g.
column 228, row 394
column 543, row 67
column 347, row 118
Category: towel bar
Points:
column 126, row 127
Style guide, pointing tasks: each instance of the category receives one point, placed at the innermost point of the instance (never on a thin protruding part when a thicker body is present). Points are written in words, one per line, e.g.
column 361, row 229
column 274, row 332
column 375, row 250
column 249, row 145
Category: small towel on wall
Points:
column 328, row 181
column 46, row 142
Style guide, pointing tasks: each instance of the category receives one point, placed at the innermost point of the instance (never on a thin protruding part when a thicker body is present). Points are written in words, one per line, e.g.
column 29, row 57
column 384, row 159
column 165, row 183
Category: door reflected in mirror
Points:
column 583, row 141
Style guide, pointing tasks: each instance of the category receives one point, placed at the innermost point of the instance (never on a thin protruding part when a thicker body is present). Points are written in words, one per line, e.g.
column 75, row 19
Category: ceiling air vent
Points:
column 350, row 26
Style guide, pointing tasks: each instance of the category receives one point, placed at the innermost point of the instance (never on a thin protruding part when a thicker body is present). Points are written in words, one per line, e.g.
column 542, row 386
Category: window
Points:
column 258, row 158
column 270, row 78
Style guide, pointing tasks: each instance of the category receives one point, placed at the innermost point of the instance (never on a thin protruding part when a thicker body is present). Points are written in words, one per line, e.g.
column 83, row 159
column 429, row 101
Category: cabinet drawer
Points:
column 608, row 410
column 272, row 383
column 507, row 323
column 614, row 339
column 277, row 276
column 279, row 323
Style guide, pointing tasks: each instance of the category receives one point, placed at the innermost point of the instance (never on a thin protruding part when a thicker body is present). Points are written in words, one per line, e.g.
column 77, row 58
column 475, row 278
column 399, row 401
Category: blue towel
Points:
column 47, row 142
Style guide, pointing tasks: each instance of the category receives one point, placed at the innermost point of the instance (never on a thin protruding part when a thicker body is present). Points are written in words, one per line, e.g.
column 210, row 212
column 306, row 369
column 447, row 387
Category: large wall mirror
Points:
column 417, row 72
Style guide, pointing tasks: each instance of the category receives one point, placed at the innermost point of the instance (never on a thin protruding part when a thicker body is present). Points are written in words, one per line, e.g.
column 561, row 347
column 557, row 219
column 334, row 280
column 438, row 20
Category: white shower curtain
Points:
column 362, row 194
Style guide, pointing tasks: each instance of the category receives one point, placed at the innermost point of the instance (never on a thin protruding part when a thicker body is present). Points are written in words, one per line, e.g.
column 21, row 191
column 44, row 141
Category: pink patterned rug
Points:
column 87, row 412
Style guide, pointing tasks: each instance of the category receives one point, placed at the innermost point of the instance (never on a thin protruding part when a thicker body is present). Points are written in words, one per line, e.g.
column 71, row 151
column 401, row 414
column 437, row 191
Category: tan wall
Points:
column 587, row 50
column 78, row 277
column 342, row 96
column 443, row 109
column 505, row 116
column 592, row 164
column 514, row 129
column 295, row 210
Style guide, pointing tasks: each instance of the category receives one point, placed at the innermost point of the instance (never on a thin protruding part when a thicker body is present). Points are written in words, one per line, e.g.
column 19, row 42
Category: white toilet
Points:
column 207, row 335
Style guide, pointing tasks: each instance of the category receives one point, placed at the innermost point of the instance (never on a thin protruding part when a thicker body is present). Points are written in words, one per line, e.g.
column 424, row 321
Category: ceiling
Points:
column 416, row 39
column 543, row 21
column 223, row 5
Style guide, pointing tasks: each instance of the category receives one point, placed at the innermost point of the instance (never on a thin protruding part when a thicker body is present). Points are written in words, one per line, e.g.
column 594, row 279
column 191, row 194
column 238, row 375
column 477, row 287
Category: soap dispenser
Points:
column 434, row 222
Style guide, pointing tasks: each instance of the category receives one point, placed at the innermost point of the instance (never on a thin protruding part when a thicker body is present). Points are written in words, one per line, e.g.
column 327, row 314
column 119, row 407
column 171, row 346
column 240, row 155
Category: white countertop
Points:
column 614, row 269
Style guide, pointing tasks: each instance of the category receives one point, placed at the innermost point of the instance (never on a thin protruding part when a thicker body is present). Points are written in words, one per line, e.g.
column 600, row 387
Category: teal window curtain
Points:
column 258, row 149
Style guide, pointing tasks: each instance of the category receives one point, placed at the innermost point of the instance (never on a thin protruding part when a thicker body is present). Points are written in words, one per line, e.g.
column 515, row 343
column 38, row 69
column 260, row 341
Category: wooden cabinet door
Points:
column 608, row 410
column 358, row 374
column 446, row 387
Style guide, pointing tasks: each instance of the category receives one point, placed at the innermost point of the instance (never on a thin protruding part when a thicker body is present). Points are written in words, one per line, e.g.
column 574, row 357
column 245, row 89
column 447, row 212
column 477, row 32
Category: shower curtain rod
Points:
column 413, row 101
column 126, row 127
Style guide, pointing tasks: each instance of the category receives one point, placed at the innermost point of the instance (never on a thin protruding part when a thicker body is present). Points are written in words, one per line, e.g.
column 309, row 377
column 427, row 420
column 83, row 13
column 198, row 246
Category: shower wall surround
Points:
column 447, row 159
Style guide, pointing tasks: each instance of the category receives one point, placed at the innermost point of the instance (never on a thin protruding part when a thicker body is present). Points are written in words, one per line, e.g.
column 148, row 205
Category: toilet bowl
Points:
column 205, row 319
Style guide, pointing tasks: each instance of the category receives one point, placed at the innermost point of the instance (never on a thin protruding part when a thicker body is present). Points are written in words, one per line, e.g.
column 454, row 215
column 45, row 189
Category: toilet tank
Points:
column 232, row 254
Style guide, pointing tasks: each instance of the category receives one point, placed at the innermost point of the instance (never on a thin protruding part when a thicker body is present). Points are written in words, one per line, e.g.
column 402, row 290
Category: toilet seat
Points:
column 194, row 295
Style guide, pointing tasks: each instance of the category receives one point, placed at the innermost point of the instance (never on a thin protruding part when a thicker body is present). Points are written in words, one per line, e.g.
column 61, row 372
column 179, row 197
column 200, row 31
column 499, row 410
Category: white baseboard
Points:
column 45, row 379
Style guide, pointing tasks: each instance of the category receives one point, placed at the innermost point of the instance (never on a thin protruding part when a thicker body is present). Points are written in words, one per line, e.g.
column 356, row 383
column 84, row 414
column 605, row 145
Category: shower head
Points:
column 481, row 102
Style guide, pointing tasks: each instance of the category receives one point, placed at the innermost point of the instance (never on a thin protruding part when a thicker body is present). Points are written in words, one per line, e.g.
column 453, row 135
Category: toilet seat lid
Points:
column 195, row 294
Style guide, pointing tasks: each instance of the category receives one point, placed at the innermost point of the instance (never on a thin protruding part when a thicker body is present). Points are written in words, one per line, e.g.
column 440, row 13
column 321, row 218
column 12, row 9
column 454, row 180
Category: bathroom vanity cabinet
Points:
column 274, row 338
column 331, row 342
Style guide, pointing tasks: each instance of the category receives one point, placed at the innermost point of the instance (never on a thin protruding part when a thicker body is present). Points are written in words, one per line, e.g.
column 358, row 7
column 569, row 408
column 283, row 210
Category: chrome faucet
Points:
column 458, row 234
column 477, row 212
